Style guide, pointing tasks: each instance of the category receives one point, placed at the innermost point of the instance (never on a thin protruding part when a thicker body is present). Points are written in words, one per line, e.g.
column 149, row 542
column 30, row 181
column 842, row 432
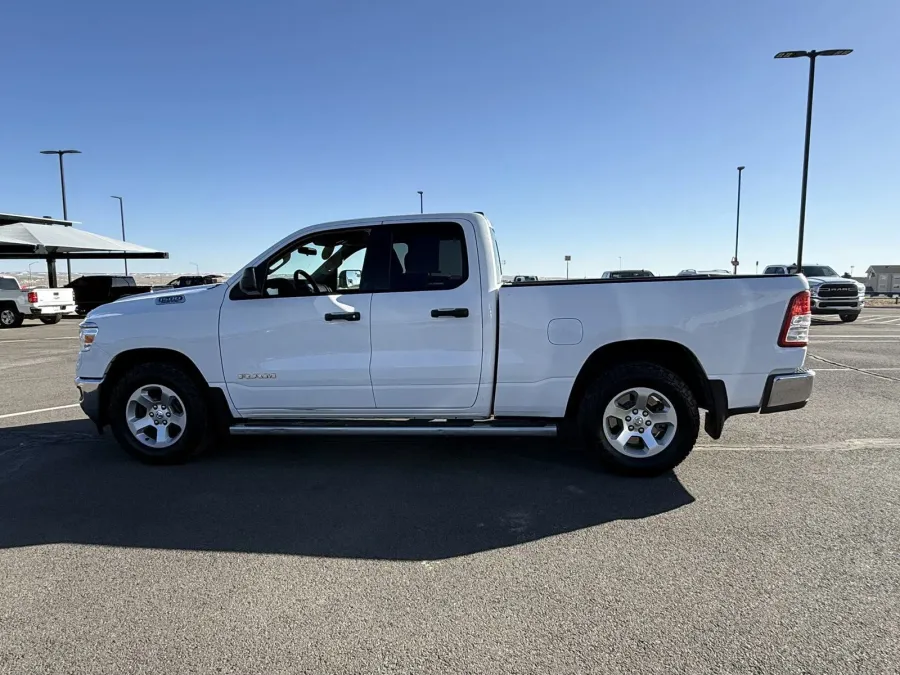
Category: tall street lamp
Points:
column 62, row 183
column 737, row 226
column 811, row 55
column 568, row 260
column 421, row 201
column 122, row 218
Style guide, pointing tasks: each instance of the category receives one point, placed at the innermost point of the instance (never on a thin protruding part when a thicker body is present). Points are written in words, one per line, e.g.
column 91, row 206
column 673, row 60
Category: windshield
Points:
column 818, row 271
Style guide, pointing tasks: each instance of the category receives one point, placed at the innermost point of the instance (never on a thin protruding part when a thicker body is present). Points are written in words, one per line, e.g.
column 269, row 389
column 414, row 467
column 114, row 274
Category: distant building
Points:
column 883, row 279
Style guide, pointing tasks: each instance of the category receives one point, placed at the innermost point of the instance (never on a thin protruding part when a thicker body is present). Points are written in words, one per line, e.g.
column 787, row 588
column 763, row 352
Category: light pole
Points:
column 421, row 201
column 122, row 218
column 62, row 183
column 568, row 260
column 811, row 55
column 737, row 226
column 31, row 274
column 196, row 267
column 757, row 266
column 620, row 262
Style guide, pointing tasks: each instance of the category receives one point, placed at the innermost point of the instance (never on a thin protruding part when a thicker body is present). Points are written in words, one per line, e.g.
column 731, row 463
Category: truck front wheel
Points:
column 639, row 419
column 158, row 414
column 847, row 318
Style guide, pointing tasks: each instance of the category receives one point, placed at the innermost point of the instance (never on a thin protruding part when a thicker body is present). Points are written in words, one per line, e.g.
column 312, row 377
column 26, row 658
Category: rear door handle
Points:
column 342, row 316
column 457, row 312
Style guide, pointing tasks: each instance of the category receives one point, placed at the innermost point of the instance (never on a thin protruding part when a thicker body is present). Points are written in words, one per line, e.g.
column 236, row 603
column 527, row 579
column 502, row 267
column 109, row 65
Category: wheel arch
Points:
column 126, row 360
column 671, row 355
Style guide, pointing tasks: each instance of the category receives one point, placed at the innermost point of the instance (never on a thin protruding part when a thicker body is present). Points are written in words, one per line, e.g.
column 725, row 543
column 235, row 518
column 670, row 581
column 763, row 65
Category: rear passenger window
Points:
column 428, row 258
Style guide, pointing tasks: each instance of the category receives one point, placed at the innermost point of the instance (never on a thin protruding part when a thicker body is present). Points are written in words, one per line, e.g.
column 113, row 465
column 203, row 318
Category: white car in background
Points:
column 45, row 304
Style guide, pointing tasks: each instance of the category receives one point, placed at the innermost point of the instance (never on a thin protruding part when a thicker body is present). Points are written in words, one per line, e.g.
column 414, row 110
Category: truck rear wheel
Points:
column 159, row 415
column 10, row 317
column 639, row 419
column 847, row 318
column 51, row 319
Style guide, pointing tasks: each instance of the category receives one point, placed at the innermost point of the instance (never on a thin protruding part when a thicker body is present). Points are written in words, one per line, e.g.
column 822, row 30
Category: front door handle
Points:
column 457, row 312
column 342, row 316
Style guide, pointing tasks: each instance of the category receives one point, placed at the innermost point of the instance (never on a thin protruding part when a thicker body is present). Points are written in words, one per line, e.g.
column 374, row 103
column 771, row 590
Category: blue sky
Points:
column 596, row 129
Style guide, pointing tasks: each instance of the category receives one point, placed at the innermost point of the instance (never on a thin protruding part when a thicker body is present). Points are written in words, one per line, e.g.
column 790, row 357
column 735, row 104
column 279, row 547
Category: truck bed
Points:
column 729, row 324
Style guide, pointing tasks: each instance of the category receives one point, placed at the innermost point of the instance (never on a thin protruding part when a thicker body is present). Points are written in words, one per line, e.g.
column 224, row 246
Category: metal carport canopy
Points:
column 33, row 237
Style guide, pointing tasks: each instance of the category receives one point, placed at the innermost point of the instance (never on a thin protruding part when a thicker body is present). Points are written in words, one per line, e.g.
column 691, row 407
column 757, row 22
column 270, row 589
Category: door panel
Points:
column 427, row 351
column 317, row 364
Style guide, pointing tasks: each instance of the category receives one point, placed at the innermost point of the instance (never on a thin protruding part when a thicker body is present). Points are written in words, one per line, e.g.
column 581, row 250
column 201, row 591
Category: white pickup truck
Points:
column 46, row 304
column 429, row 341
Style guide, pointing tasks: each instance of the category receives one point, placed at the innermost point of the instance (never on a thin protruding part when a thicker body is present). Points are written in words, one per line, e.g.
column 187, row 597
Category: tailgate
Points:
column 54, row 297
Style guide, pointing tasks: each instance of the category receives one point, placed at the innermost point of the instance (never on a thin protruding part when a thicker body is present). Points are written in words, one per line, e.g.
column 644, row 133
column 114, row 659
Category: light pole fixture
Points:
column 62, row 184
column 811, row 55
column 737, row 226
column 421, row 201
column 122, row 218
column 568, row 260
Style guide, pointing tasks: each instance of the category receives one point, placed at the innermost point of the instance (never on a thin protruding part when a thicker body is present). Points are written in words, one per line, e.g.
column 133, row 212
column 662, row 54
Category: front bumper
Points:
column 787, row 391
column 836, row 305
column 89, row 398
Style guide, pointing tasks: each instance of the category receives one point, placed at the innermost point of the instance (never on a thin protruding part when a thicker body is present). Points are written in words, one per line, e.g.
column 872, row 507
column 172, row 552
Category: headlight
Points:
column 814, row 290
column 87, row 332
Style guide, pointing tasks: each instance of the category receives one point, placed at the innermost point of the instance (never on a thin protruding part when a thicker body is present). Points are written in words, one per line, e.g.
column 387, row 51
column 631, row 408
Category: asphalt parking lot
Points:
column 772, row 550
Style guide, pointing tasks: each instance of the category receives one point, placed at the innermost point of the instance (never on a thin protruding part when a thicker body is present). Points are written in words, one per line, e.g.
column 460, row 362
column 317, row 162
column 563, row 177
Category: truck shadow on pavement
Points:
column 386, row 499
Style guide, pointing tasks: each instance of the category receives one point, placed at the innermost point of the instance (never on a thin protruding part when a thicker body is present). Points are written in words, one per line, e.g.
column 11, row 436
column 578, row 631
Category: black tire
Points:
column 50, row 320
column 849, row 318
column 638, row 374
column 195, row 437
column 10, row 317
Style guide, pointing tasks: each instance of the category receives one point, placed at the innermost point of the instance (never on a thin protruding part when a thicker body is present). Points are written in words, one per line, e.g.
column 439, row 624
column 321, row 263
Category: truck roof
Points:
column 408, row 217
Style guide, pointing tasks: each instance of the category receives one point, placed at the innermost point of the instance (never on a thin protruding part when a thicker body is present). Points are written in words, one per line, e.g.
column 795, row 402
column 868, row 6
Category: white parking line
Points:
column 870, row 342
column 41, row 410
column 64, row 337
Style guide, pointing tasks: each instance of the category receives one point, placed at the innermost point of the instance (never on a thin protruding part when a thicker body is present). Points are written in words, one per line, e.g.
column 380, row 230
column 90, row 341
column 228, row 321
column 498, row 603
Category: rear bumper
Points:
column 51, row 311
column 89, row 397
column 787, row 391
column 781, row 392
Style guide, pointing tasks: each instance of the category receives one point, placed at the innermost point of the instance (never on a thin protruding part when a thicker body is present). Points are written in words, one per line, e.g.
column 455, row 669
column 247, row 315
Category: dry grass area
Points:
column 883, row 302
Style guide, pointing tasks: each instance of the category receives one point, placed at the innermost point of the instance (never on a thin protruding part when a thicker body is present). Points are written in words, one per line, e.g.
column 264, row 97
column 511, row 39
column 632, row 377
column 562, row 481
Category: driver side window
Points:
column 321, row 264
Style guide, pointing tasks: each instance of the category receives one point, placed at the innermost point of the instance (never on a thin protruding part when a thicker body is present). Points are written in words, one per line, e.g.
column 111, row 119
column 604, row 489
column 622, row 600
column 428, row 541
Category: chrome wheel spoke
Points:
column 649, row 442
column 139, row 424
column 666, row 416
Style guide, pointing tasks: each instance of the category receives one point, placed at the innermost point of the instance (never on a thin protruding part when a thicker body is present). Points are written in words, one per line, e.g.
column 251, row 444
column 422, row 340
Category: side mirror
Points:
column 349, row 278
column 249, row 282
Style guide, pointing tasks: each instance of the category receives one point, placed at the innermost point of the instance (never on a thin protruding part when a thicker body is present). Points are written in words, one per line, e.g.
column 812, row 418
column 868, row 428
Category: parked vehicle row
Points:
column 429, row 340
column 47, row 305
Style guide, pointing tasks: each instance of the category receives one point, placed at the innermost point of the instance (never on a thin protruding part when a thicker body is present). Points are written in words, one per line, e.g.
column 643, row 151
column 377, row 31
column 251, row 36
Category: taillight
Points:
column 32, row 297
column 797, row 319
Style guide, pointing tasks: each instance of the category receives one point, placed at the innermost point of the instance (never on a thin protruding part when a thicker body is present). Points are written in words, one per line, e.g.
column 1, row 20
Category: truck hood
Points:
column 816, row 281
column 195, row 296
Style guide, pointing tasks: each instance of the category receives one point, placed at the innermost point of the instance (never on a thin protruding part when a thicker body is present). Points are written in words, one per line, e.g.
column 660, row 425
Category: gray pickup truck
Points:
column 830, row 293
